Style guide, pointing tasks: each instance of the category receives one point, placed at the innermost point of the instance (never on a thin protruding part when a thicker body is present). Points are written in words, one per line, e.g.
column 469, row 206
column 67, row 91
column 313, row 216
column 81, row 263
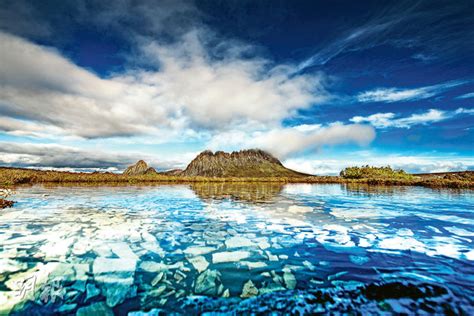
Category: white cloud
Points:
column 386, row 120
column 390, row 95
column 466, row 96
column 55, row 156
column 413, row 164
column 285, row 142
column 190, row 89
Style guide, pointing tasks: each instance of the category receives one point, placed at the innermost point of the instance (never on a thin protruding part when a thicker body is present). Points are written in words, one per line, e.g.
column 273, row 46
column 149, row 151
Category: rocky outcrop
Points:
column 5, row 203
column 244, row 163
column 138, row 169
column 4, row 193
column 173, row 172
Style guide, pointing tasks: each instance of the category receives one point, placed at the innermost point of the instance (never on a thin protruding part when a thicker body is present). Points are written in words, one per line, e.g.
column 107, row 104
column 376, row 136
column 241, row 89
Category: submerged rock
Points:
column 198, row 250
column 157, row 279
column 290, row 280
column 207, row 282
column 249, row 290
column 199, row 263
column 229, row 256
column 92, row 291
column 99, row 308
column 238, row 242
column 296, row 209
column 153, row 312
column 106, row 265
column 152, row 266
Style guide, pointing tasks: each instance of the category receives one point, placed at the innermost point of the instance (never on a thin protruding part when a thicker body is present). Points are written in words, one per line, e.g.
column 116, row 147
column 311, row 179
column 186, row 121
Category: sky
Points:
column 322, row 85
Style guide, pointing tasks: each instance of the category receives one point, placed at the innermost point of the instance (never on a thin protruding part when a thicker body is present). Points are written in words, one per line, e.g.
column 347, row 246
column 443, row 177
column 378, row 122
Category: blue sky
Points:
column 89, row 85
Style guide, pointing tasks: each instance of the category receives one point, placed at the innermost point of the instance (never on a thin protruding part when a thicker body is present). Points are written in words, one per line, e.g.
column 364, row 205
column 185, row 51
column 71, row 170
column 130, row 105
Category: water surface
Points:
column 237, row 248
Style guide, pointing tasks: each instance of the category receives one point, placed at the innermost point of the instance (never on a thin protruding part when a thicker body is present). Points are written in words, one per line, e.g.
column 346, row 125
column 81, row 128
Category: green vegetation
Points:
column 364, row 175
column 368, row 172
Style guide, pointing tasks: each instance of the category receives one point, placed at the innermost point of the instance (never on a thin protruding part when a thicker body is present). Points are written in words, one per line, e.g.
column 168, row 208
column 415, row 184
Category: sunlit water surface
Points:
column 237, row 248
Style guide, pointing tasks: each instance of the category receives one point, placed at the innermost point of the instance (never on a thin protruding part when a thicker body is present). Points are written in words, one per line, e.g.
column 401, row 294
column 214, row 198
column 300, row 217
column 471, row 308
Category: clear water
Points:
column 237, row 248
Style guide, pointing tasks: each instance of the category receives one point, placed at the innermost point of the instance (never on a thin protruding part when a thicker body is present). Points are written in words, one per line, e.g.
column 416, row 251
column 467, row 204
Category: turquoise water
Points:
column 237, row 248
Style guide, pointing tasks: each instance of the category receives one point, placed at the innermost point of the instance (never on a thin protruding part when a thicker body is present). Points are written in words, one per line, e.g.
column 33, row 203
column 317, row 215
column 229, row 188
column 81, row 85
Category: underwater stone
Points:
column 157, row 279
column 253, row 265
column 197, row 250
column 157, row 292
column 206, row 282
column 66, row 307
column 309, row 265
column 290, row 280
column 295, row 209
column 8, row 265
column 116, row 290
column 99, row 308
column 238, row 242
column 270, row 256
column 273, row 287
column 249, row 290
column 229, row 256
column 152, row 266
column 92, row 291
column 122, row 250
column 153, row 312
column 199, row 263
column 106, row 265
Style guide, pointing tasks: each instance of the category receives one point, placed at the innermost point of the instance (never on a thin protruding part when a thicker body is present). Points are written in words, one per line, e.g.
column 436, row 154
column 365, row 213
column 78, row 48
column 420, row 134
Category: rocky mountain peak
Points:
column 243, row 163
column 139, row 168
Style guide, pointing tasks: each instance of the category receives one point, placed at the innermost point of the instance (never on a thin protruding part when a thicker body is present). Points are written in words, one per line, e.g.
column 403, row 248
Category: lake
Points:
column 236, row 248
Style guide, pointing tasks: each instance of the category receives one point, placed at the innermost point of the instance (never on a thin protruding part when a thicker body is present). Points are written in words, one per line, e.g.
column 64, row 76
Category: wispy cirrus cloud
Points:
column 390, row 95
column 386, row 120
column 434, row 32
column 466, row 96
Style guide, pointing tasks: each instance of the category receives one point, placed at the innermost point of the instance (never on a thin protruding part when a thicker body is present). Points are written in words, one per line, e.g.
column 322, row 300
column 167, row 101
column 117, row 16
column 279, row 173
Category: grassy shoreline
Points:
column 16, row 176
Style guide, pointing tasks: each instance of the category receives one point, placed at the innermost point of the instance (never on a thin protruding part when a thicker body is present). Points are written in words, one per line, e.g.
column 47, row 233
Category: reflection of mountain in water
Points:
column 249, row 192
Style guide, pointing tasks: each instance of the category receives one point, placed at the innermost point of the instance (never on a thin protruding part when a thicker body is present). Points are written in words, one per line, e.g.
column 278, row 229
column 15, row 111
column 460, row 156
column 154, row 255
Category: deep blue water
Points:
column 237, row 248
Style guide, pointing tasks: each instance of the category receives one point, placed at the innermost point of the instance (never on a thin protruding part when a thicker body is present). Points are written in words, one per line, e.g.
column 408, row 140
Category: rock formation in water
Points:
column 5, row 203
column 138, row 169
column 244, row 163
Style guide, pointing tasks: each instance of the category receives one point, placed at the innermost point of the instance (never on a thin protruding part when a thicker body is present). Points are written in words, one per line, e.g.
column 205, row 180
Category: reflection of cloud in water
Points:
column 122, row 239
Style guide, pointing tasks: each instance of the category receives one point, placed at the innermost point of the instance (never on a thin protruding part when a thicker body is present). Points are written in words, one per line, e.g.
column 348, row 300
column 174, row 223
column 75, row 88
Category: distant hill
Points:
column 172, row 172
column 140, row 168
column 244, row 163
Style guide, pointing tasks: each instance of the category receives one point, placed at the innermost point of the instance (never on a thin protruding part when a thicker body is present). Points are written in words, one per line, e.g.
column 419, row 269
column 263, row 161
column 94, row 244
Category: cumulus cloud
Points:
column 191, row 88
column 285, row 142
column 390, row 95
column 386, row 120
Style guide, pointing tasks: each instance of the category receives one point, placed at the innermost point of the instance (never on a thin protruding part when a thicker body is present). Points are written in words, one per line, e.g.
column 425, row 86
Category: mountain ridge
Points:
column 243, row 163
column 139, row 168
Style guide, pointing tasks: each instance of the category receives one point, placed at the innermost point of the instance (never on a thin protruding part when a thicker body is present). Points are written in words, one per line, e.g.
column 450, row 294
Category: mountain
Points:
column 244, row 163
column 172, row 172
column 140, row 168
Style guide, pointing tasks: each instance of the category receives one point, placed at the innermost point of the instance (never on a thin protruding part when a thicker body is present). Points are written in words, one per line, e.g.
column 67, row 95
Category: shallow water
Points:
column 237, row 248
